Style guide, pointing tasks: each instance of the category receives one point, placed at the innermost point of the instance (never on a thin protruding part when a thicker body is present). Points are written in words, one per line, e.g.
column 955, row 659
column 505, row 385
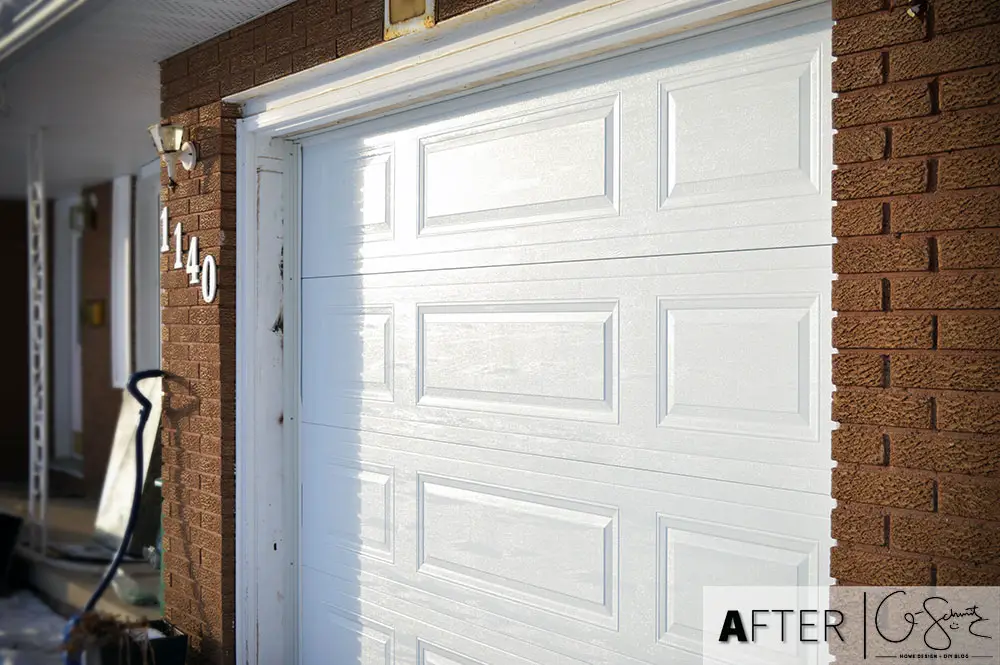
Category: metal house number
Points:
column 205, row 274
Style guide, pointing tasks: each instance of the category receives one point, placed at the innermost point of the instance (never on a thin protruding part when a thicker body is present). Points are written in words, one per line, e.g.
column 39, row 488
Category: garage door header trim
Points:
column 498, row 43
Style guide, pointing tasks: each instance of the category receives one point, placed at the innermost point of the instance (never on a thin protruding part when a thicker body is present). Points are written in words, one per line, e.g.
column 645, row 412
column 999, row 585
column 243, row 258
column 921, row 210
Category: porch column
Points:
column 38, row 472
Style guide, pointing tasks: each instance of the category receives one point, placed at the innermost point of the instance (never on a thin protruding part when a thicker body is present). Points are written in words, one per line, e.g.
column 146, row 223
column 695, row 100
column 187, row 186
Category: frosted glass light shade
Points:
column 167, row 138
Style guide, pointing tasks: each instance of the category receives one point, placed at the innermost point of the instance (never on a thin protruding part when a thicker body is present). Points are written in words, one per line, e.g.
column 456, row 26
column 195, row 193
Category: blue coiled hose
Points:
column 75, row 658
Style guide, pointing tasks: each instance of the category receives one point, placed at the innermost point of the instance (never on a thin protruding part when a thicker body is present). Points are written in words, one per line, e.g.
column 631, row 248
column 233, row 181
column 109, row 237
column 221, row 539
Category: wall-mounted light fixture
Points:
column 173, row 148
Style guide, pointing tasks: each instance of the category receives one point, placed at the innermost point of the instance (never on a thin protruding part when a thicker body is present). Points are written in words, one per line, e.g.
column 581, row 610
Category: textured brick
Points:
column 857, row 295
column 972, row 168
column 175, row 352
column 979, row 456
column 882, row 179
column 884, row 487
column 236, row 45
column 203, row 57
column 873, row 105
column 948, row 211
column 868, row 406
column 862, row 217
column 857, row 71
column 864, row 33
column 859, row 444
column 207, row 76
column 175, row 279
column 945, row 53
column 877, row 568
column 859, row 144
column 880, row 254
column 327, row 32
column 204, row 203
column 174, row 68
column 232, row 83
column 970, row 249
column 277, row 24
column 183, row 333
column 206, row 389
column 285, row 45
column 969, row 412
column 979, row 290
column 179, row 367
column 847, row 8
column 248, row 61
column 951, row 573
column 977, row 498
column 203, row 463
column 218, row 219
column 218, row 182
column 273, row 70
column 886, row 331
column 360, row 37
column 951, row 15
column 950, row 371
column 978, row 330
column 366, row 13
column 305, row 14
column 938, row 535
column 218, row 447
column 949, row 131
column 175, row 88
column 865, row 525
column 177, row 208
column 969, row 89
column 314, row 55
column 857, row 369
column 205, row 94
column 174, row 104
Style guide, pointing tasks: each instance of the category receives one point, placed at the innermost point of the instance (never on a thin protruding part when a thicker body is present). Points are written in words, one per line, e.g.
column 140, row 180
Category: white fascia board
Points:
column 497, row 43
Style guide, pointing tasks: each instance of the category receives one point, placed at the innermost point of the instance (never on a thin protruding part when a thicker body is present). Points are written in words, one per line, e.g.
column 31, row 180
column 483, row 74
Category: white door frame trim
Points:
column 122, row 238
column 510, row 40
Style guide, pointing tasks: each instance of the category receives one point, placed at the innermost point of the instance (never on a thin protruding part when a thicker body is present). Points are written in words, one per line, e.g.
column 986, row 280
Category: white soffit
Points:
column 93, row 83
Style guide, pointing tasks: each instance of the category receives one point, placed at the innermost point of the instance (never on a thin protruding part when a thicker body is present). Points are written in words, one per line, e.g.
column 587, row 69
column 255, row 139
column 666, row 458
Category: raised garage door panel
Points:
column 540, row 407
column 720, row 149
column 681, row 364
column 599, row 567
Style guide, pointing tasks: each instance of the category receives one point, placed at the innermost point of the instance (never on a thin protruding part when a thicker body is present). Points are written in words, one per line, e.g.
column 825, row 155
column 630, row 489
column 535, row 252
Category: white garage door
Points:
column 565, row 351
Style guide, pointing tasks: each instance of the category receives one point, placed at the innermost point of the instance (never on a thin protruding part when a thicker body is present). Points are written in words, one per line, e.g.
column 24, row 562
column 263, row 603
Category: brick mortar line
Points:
column 963, row 436
column 850, row 313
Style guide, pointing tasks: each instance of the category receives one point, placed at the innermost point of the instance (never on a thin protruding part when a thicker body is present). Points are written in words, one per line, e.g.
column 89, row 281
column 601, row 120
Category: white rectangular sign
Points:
column 884, row 625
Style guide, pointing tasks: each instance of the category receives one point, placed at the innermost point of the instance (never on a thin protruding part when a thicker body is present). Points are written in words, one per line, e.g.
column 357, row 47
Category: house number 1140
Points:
column 207, row 269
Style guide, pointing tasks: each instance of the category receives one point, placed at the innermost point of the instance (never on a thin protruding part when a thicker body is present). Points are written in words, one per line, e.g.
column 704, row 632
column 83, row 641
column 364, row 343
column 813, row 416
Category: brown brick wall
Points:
column 199, row 353
column 918, row 257
column 199, row 341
